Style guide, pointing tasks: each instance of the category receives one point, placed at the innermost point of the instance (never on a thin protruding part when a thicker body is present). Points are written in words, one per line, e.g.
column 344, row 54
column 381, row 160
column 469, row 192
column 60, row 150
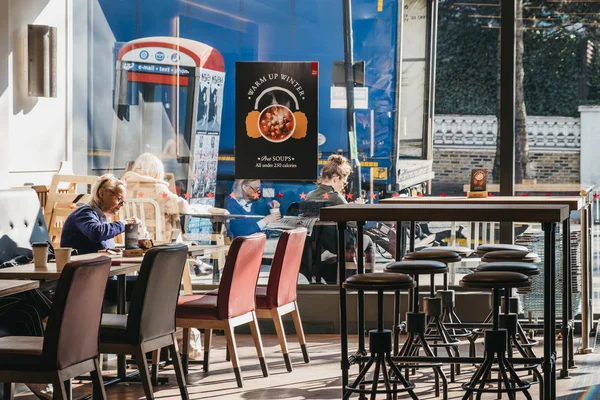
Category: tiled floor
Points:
column 318, row 380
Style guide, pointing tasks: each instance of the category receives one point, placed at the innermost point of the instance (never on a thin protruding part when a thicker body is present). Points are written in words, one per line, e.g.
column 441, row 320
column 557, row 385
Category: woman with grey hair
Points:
column 147, row 180
column 89, row 228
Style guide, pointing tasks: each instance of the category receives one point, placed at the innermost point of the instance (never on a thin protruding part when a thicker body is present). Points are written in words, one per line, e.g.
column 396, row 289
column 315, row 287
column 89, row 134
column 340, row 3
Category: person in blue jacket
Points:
column 246, row 200
column 88, row 228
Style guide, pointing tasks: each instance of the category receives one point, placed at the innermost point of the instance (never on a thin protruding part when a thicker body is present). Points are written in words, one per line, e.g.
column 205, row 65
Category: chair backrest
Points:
column 152, row 307
column 72, row 331
column 148, row 211
column 309, row 208
column 62, row 199
column 283, row 277
column 20, row 220
column 240, row 275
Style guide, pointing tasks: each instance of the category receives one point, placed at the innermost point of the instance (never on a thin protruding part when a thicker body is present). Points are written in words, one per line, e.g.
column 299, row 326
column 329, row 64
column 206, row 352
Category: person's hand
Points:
column 360, row 200
column 274, row 204
column 272, row 218
column 133, row 220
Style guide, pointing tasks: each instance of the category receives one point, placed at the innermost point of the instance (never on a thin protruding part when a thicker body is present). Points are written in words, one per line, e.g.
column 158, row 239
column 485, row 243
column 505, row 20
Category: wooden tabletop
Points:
column 30, row 271
column 446, row 212
column 582, row 188
column 575, row 203
column 222, row 217
column 10, row 287
column 193, row 250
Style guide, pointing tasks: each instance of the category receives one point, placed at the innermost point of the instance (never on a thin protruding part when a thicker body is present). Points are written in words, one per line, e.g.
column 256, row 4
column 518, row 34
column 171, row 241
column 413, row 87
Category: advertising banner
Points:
column 276, row 120
column 203, row 174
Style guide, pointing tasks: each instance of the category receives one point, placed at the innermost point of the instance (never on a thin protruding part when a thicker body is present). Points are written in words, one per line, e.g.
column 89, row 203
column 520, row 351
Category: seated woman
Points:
column 147, row 180
column 334, row 178
column 89, row 228
column 246, row 201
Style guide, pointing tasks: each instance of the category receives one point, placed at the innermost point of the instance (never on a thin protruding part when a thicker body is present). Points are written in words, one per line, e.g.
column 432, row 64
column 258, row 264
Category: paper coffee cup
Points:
column 275, row 211
column 40, row 254
column 63, row 256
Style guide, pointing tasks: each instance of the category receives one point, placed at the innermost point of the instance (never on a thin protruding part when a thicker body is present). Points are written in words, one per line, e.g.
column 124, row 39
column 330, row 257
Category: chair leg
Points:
column 231, row 345
column 276, row 316
column 300, row 331
column 258, row 344
column 178, row 369
column 9, row 391
column 207, row 345
column 144, row 374
column 98, row 384
column 155, row 362
column 185, row 350
column 60, row 392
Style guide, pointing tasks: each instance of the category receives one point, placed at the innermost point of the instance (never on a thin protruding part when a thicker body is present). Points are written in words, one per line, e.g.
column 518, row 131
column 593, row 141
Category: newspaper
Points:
column 291, row 222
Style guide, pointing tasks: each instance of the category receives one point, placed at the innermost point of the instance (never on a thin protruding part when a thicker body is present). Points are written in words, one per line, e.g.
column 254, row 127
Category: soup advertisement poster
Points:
column 276, row 120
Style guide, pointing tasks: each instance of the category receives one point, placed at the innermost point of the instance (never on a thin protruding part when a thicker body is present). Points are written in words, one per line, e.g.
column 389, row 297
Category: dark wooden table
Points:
column 549, row 215
column 575, row 203
column 10, row 287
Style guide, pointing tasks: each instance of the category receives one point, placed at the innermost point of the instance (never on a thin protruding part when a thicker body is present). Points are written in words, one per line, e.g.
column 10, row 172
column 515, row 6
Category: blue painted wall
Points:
column 282, row 30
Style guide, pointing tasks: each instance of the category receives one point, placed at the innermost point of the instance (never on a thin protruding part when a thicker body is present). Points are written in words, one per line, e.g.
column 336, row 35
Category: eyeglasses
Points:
column 120, row 201
column 256, row 190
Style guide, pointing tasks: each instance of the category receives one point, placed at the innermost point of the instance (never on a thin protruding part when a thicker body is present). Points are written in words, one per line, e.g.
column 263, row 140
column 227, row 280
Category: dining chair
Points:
column 234, row 305
column 62, row 199
column 279, row 297
column 70, row 345
column 148, row 211
column 150, row 324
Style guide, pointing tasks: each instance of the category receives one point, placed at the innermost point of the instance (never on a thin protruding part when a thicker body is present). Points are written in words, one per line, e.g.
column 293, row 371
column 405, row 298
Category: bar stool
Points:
column 380, row 340
column 510, row 255
column 441, row 310
column 509, row 319
column 495, row 342
column 486, row 248
column 416, row 320
column 463, row 252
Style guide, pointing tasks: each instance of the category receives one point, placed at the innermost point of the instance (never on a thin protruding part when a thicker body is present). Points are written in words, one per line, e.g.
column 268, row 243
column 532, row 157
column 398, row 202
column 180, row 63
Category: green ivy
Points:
column 466, row 76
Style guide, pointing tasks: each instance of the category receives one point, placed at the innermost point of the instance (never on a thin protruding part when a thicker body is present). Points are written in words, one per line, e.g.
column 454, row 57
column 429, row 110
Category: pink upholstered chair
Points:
column 234, row 304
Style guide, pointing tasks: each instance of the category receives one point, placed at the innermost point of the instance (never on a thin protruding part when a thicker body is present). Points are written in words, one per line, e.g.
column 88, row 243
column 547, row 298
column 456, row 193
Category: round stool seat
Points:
column 484, row 248
column 424, row 267
column 379, row 280
column 444, row 256
column 493, row 280
column 520, row 267
column 509, row 255
column 464, row 252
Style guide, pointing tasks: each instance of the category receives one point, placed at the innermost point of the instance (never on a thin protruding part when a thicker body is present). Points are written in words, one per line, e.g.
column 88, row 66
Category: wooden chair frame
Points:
column 57, row 378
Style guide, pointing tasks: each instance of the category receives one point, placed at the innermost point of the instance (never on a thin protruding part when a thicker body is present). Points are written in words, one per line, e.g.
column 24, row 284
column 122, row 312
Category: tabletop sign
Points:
column 276, row 120
column 478, row 183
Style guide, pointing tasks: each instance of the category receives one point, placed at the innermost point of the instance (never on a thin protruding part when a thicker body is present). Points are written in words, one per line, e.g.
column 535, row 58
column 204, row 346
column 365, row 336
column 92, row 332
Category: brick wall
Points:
column 452, row 167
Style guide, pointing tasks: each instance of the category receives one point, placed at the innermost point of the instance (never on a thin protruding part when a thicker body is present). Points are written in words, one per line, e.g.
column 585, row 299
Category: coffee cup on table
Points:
column 40, row 254
column 63, row 256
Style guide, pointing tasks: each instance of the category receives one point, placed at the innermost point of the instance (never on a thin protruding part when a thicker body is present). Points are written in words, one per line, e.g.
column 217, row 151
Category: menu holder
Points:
column 133, row 253
column 478, row 183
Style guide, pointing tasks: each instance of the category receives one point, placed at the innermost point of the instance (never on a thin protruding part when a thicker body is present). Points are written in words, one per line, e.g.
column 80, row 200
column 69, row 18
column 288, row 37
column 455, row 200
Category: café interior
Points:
column 422, row 221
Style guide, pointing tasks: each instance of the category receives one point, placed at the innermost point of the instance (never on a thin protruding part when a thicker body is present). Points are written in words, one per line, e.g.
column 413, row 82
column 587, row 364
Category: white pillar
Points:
column 590, row 145
column 5, row 90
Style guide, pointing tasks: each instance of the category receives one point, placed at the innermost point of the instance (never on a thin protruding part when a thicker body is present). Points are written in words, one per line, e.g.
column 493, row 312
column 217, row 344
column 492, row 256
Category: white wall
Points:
column 33, row 130
column 4, row 90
